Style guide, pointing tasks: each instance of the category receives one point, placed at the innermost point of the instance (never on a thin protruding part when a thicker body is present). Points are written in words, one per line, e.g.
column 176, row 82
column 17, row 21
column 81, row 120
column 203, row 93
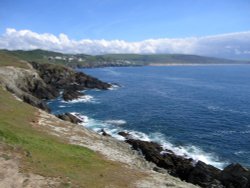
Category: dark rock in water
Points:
column 124, row 134
column 69, row 117
column 104, row 133
column 204, row 175
column 186, row 169
column 235, row 176
column 151, row 151
column 69, row 95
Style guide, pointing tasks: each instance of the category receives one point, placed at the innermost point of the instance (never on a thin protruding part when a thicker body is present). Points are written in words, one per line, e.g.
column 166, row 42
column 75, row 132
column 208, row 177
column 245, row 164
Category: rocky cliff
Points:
column 45, row 81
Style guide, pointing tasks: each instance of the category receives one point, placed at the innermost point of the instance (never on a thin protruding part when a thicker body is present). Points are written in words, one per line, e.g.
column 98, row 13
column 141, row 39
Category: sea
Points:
column 202, row 112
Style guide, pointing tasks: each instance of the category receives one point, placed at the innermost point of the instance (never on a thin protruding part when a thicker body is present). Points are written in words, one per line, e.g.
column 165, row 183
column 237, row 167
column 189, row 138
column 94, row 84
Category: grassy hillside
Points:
column 49, row 156
column 7, row 59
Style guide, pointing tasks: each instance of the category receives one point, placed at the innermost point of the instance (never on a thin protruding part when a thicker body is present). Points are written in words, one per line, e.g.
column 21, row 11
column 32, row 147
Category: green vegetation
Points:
column 169, row 59
column 83, row 60
column 7, row 59
column 50, row 156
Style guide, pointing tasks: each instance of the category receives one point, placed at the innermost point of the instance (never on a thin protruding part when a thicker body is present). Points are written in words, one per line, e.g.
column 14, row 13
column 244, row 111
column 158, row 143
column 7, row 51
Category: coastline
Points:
column 192, row 64
column 170, row 163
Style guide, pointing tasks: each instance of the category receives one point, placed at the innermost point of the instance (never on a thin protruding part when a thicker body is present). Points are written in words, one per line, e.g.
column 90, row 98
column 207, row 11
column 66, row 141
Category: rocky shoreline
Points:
column 46, row 81
column 195, row 172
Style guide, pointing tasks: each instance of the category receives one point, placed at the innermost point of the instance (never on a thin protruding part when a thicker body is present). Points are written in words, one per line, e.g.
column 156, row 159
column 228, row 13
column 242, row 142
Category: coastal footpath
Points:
column 65, row 154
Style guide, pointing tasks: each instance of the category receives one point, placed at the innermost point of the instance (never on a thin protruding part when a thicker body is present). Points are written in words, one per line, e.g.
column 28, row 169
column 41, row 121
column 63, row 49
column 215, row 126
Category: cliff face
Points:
column 27, row 85
column 62, row 77
column 45, row 81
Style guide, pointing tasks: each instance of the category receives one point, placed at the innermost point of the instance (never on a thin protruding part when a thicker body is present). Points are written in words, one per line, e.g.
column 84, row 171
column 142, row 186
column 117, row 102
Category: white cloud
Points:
column 225, row 45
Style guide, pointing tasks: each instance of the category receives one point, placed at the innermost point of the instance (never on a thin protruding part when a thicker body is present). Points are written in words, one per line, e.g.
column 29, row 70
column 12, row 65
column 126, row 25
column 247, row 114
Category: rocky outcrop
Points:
column 235, row 175
column 69, row 95
column 62, row 77
column 104, row 133
column 124, row 134
column 27, row 85
column 69, row 117
column 45, row 82
column 195, row 172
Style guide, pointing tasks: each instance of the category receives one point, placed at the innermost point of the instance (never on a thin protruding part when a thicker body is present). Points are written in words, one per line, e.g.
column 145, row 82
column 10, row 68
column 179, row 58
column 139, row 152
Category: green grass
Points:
column 49, row 156
column 7, row 59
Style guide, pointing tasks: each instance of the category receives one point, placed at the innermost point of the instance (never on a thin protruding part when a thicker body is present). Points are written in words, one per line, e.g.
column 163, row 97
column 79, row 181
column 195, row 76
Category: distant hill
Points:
column 84, row 60
column 171, row 59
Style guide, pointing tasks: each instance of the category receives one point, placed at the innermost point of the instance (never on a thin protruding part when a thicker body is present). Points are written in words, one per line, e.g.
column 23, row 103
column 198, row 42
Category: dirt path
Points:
column 11, row 177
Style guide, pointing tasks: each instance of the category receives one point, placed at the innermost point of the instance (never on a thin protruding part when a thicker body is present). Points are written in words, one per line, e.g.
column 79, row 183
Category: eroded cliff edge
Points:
column 46, row 81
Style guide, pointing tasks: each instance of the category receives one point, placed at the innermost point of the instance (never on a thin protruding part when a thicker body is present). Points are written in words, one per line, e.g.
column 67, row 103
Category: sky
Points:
column 220, row 27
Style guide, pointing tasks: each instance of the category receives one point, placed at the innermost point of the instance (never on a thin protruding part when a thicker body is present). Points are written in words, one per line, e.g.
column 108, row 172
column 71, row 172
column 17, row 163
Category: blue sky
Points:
column 219, row 28
column 130, row 20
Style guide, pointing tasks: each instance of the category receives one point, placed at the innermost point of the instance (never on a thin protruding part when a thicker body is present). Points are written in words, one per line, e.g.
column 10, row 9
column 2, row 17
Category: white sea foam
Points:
column 188, row 151
column 116, row 122
column 83, row 99
column 113, row 87
column 62, row 106
column 83, row 118
column 242, row 153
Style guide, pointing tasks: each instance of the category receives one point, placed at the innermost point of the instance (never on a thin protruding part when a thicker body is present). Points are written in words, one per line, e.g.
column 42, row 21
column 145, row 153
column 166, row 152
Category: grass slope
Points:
column 7, row 59
column 49, row 156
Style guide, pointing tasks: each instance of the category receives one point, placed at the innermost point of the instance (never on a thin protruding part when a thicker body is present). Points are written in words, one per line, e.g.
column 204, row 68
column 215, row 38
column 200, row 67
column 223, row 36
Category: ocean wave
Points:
column 116, row 122
column 218, row 108
column 83, row 118
column 229, row 132
column 242, row 153
column 83, row 99
column 188, row 151
column 114, row 87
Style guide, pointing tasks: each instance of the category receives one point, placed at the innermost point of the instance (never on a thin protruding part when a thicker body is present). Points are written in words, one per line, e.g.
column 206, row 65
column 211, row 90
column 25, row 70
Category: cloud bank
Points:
column 232, row 45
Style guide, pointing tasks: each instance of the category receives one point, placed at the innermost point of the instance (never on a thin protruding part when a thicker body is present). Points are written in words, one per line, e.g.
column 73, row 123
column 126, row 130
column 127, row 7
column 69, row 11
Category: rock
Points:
column 45, row 81
column 69, row 117
column 124, row 134
column 69, row 95
column 35, row 102
column 151, row 151
column 62, row 77
column 200, row 173
column 104, row 133
column 235, row 176
column 203, row 175
column 75, row 87
column 160, row 170
column 27, row 85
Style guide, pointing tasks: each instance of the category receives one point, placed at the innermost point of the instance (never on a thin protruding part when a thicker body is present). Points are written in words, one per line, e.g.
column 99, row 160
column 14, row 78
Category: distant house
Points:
column 58, row 58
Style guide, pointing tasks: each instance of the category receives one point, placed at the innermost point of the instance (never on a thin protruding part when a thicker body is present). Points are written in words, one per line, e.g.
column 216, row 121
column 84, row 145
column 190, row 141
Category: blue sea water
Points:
column 201, row 112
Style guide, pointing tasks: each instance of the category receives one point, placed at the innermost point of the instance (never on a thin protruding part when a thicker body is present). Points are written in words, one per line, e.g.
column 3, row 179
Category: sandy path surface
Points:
column 11, row 177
